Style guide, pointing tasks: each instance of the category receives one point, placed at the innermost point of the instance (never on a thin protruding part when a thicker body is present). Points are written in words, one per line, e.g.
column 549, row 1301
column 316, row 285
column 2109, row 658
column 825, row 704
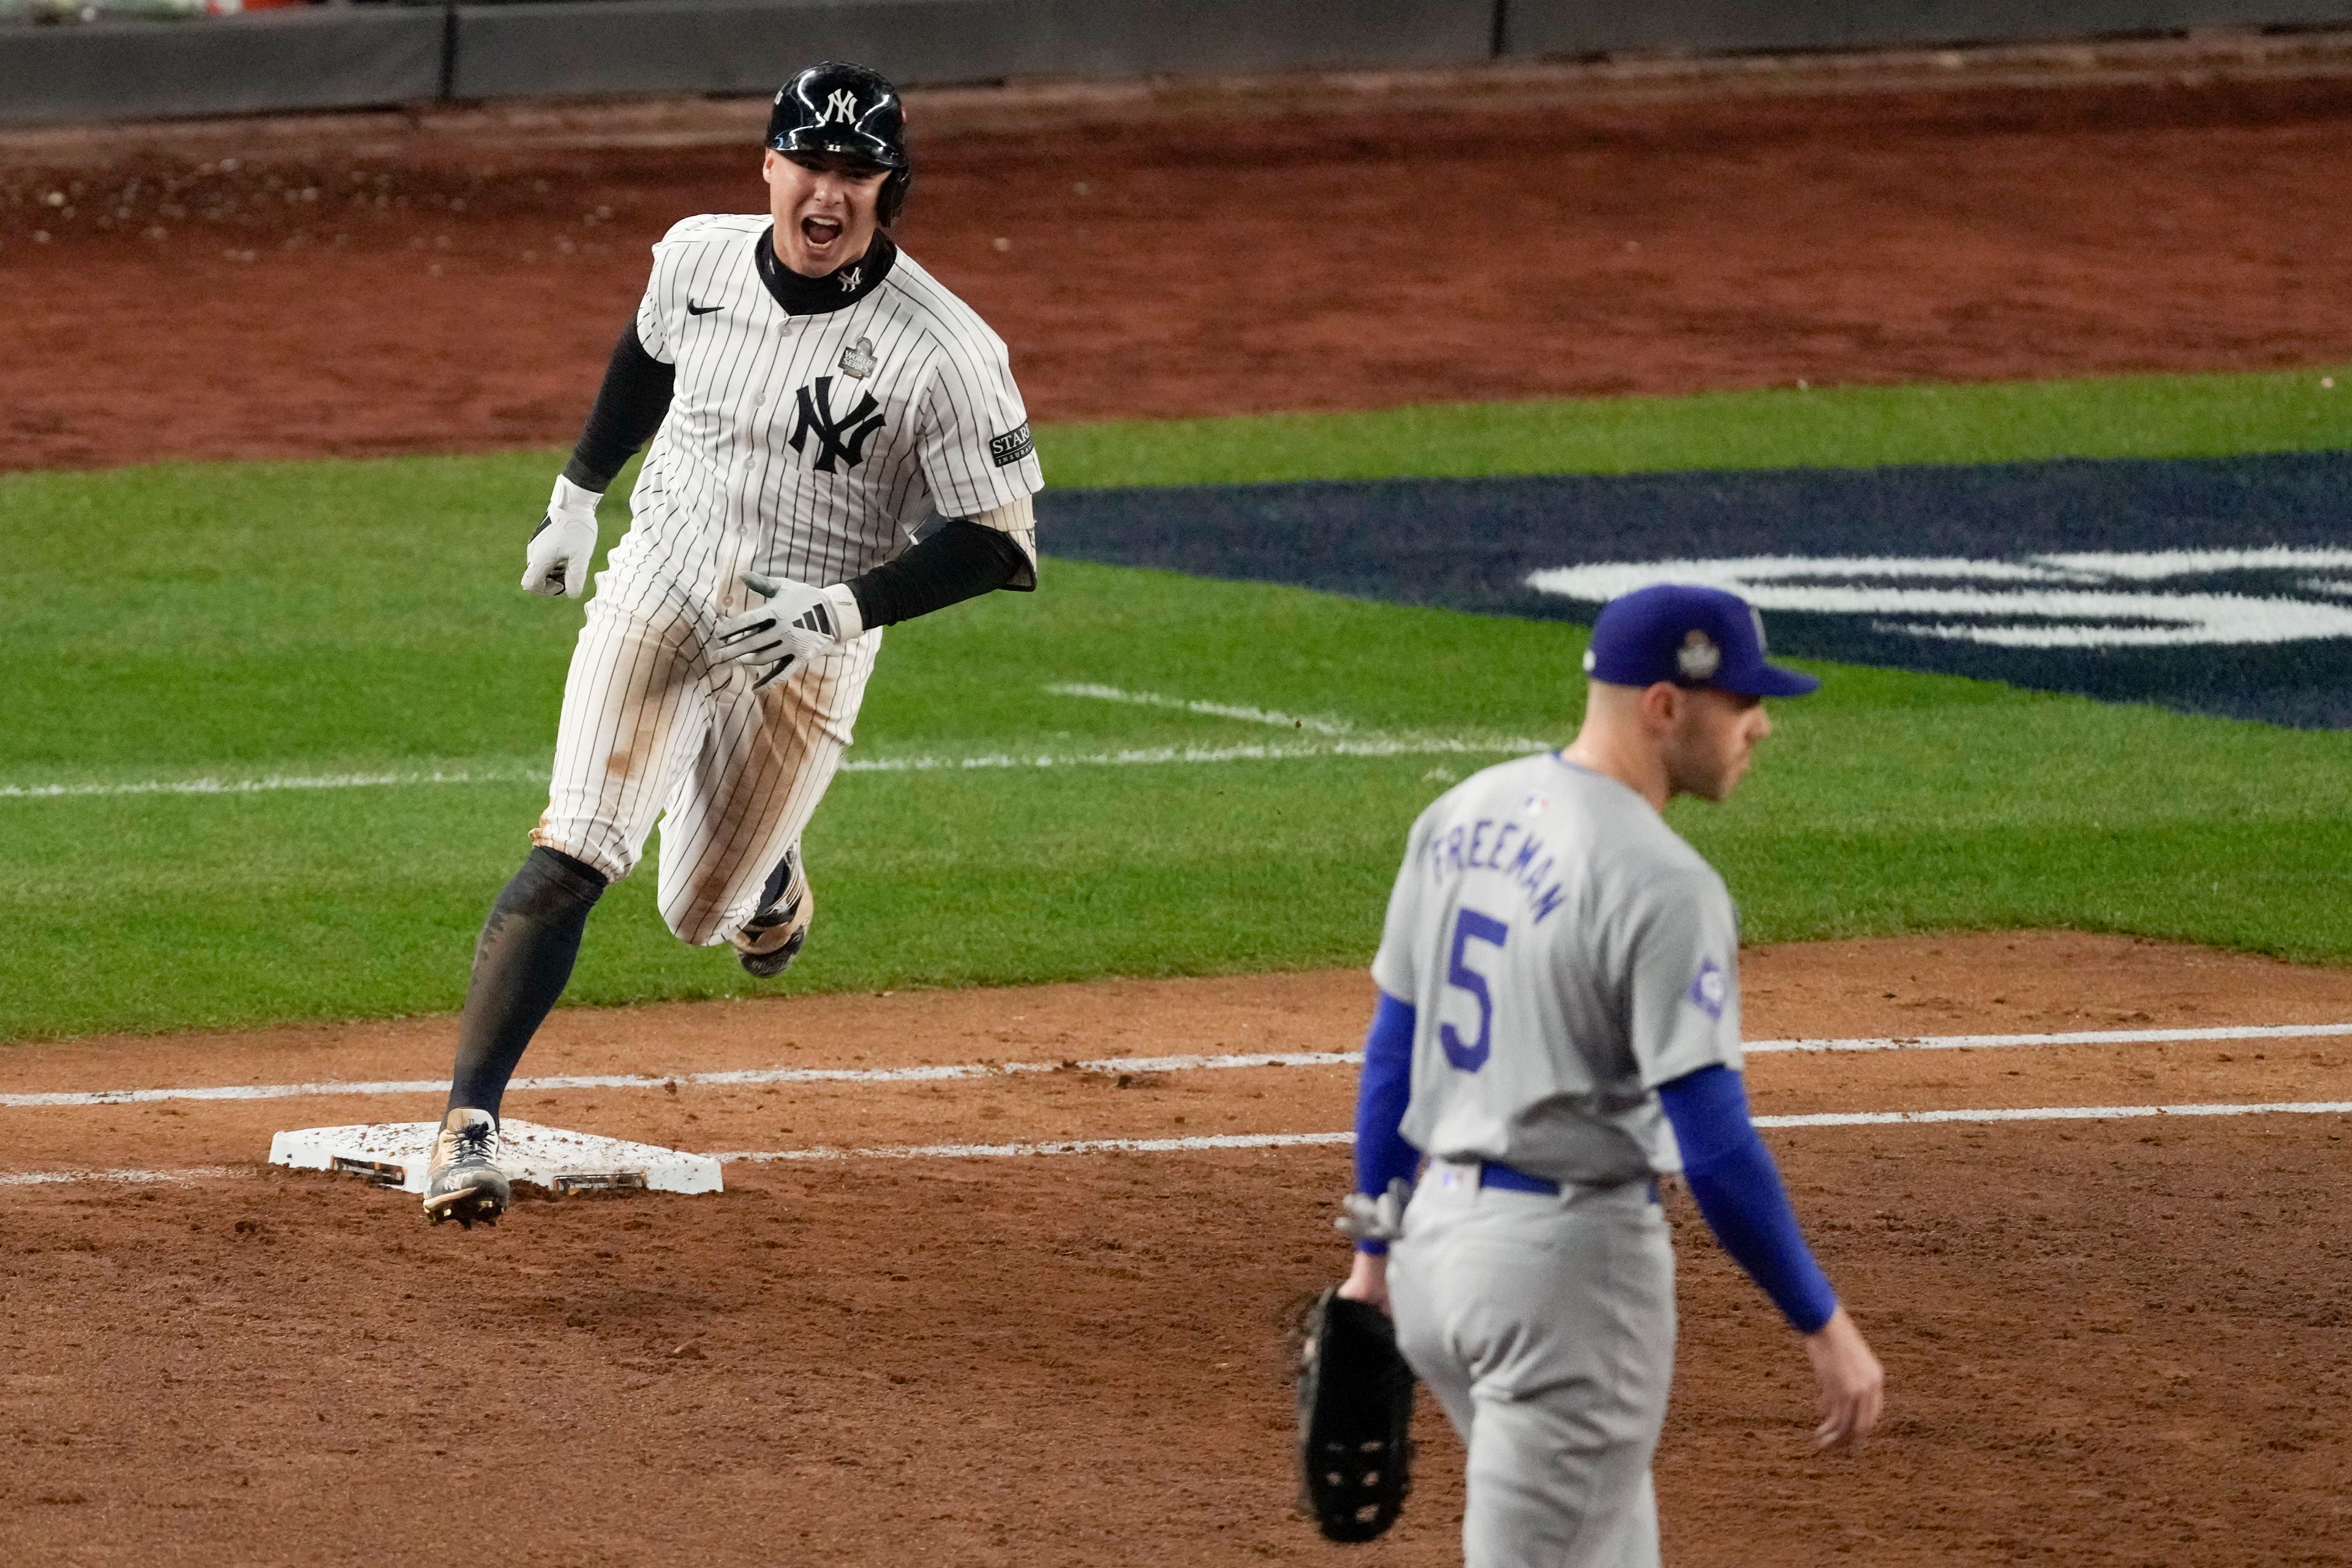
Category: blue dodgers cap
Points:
column 1690, row 635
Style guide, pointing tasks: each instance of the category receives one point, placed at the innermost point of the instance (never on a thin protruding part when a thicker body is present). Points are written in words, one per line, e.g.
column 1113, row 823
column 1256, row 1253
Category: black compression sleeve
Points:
column 629, row 409
column 962, row 561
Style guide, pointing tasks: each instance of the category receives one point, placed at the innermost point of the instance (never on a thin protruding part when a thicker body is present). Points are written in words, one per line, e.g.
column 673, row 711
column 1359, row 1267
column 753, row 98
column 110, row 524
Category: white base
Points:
column 395, row 1152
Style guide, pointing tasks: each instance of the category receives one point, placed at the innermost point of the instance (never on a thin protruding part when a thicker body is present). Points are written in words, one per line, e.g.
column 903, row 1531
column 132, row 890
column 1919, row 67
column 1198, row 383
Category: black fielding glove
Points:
column 1354, row 1410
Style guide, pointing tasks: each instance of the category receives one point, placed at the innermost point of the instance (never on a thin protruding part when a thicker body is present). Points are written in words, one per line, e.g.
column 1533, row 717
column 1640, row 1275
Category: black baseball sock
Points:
column 520, row 967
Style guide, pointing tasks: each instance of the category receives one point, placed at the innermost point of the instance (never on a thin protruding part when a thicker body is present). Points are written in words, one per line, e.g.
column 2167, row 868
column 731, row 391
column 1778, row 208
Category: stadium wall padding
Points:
column 1540, row 28
column 342, row 56
column 599, row 47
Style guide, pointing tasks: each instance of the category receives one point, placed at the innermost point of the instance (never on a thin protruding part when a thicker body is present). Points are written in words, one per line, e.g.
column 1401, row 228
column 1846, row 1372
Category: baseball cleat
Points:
column 773, row 938
column 464, row 1181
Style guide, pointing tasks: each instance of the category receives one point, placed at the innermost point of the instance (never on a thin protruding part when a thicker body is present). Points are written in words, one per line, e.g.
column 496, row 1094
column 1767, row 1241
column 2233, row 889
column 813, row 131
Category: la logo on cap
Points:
column 1698, row 658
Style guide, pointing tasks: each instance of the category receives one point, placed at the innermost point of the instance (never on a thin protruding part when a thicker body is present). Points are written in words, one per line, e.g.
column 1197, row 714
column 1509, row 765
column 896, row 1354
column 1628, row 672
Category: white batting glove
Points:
column 797, row 623
column 1375, row 1219
column 557, row 561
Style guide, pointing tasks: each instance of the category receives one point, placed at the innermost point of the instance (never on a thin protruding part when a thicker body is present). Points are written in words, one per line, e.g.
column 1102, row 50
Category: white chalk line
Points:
column 2057, row 1114
column 1292, row 1139
column 129, row 1177
column 1317, row 724
column 1204, row 1142
column 949, row 1071
column 1341, row 738
column 1368, row 746
column 1013, row 1151
column 2074, row 1037
column 927, row 1074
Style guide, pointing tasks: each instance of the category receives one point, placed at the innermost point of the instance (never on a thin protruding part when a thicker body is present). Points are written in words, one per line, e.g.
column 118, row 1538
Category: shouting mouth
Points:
column 820, row 232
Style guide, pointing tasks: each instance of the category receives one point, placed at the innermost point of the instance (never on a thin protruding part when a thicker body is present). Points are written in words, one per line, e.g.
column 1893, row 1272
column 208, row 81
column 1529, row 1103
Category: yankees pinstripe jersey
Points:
column 809, row 445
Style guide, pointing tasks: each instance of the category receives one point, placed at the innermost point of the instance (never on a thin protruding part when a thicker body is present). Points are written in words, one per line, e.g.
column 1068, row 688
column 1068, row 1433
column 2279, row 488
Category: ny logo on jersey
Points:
column 840, row 106
column 841, row 439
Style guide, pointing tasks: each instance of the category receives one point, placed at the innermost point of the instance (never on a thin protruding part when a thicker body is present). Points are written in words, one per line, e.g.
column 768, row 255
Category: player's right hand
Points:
column 795, row 625
column 1853, row 1386
column 563, row 543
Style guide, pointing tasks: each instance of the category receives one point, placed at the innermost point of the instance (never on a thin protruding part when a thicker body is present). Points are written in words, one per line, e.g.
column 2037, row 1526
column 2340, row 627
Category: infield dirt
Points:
column 2120, row 1341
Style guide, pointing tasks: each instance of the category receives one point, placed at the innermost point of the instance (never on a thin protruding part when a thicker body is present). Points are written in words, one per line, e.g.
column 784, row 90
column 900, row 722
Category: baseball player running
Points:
column 1557, row 1028
column 813, row 397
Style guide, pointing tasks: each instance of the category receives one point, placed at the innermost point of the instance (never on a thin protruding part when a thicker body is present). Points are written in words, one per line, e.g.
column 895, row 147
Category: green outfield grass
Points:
column 280, row 623
column 1852, row 427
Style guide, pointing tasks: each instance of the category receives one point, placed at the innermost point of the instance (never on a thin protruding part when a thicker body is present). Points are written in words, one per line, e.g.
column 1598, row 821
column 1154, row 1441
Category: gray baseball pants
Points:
column 1546, row 1328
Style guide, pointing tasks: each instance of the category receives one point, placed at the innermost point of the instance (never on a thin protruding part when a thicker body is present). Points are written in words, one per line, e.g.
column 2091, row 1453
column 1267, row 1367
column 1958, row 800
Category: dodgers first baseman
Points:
column 813, row 397
column 1559, row 1028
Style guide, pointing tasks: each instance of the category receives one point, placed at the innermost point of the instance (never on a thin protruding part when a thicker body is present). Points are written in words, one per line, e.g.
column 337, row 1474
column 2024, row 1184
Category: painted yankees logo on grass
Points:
column 2146, row 599
column 841, row 438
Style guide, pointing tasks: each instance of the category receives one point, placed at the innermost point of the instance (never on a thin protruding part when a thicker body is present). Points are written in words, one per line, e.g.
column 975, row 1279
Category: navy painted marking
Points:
column 2218, row 585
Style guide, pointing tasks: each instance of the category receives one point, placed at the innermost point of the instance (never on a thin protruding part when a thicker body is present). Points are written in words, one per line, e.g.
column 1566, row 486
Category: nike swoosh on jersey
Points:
column 694, row 309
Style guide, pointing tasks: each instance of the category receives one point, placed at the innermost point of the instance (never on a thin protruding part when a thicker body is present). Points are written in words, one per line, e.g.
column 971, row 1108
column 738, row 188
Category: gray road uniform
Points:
column 1565, row 954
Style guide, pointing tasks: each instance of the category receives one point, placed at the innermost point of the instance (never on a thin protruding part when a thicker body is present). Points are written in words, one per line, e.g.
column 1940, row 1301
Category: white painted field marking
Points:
column 1368, row 745
column 2077, row 1037
column 929, row 1073
column 948, row 1072
column 269, row 785
column 51, row 1178
column 1324, row 725
column 2058, row 1113
column 1075, row 1146
column 2095, row 599
column 1319, row 726
column 1294, row 1140
column 1298, row 1139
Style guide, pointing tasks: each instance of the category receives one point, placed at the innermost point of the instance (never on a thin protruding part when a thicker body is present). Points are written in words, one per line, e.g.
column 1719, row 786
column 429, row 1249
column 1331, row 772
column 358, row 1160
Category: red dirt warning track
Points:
column 458, row 286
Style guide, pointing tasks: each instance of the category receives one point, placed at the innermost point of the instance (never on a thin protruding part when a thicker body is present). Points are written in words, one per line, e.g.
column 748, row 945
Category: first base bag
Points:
column 1355, row 1406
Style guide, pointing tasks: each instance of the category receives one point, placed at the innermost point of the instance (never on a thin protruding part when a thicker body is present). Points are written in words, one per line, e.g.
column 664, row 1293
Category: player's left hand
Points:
column 1853, row 1386
column 556, row 560
column 795, row 624
column 1368, row 1280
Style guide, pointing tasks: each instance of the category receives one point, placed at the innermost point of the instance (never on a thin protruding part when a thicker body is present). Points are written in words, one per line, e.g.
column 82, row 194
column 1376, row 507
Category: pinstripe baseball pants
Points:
column 652, row 729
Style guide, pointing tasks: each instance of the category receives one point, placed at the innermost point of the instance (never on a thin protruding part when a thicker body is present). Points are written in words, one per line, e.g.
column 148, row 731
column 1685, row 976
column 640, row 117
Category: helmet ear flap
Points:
column 893, row 200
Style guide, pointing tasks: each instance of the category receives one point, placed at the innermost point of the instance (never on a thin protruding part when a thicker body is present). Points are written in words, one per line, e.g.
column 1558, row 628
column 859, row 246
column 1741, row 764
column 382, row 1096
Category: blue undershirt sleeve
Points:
column 1383, row 1155
column 1740, row 1193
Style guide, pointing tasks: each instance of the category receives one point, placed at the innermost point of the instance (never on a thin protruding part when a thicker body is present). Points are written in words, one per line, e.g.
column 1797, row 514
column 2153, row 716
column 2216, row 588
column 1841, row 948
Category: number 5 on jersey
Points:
column 1470, row 926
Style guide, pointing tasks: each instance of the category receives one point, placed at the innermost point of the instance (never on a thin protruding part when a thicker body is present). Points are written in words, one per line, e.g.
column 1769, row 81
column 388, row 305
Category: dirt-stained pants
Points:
column 652, row 729
column 1546, row 1328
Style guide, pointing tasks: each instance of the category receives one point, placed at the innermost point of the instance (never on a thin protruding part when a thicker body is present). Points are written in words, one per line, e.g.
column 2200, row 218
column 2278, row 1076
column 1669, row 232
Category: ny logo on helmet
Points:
column 842, row 106
column 841, row 440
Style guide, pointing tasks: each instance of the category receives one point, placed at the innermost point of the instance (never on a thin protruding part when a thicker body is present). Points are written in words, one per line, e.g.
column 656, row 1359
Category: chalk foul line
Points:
column 1210, row 1142
column 1366, row 746
column 949, row 1071
column 1337, row 738
column 130, row 1177
column 1013, row 1151
column 2074, row 1037
column 1315, row 724
column 921, row 1074
column 2058, row 1113
column 1292, row 1140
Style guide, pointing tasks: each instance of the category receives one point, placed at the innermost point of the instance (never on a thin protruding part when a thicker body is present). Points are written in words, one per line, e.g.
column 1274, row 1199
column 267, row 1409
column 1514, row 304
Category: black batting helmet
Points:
column 835, row 107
